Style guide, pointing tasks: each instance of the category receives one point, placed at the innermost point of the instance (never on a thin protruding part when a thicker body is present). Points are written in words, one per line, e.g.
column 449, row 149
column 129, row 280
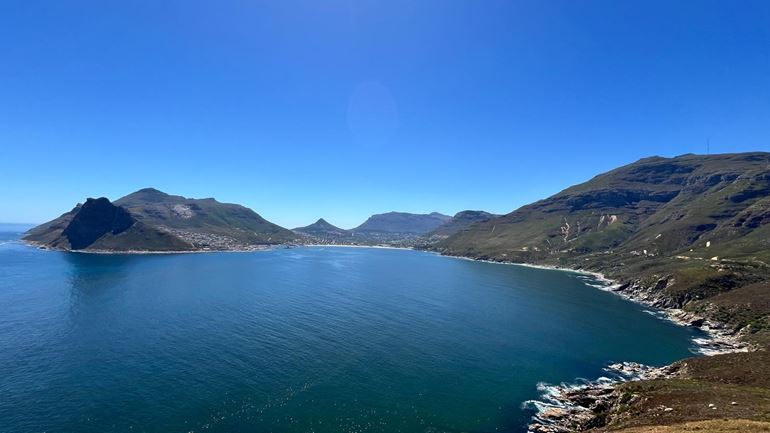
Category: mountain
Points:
column 461, row 221
column 100, row 225
column 402, row 223
column 653, row 207
column 393, row 229
column 203, row 216
column 321, row 227
column 323, row 232
column 150, row 220
column 675, row 232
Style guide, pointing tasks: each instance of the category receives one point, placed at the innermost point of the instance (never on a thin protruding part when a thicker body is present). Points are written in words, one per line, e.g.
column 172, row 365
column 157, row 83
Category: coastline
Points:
column 382, row 247
column 717, row 335
column 569, row 406
column 255, row 248
column 39, row 246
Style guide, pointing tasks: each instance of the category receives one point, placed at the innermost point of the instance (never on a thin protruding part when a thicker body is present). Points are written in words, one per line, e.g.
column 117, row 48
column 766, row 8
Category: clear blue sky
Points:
column 341, row 109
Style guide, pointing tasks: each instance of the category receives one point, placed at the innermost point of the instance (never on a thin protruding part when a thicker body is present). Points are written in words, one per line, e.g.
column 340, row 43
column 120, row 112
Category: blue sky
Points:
column 342, row 109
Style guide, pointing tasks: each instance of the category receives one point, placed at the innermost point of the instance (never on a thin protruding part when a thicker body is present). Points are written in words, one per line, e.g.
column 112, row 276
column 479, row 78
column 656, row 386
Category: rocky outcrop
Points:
column 101, row 226
column 96, row 218
column 576, row 407
column 583, row 406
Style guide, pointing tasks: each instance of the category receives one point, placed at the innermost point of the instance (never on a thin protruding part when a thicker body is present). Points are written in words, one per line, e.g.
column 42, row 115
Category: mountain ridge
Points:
column 461, row 221
column 656, row 204
column 156, row 221
column 402, row 222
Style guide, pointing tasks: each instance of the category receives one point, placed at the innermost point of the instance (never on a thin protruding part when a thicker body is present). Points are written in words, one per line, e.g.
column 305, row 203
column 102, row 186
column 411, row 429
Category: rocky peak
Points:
column 95, row 218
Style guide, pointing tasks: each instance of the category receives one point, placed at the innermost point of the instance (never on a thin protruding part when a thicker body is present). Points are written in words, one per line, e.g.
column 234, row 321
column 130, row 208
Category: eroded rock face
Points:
column 96, row 218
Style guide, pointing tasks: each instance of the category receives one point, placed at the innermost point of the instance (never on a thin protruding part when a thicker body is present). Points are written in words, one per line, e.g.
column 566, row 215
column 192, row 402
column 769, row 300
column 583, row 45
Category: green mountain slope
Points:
column 150, row 220
column 202, row 218
column 675, row 232
column 664, row 206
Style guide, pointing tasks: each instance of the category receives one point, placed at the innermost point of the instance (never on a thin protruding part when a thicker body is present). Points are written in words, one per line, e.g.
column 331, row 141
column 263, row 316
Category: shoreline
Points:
column 256, row 248
column 146, row 252
column 569, row 406
column 716, row 333
column 381, row 247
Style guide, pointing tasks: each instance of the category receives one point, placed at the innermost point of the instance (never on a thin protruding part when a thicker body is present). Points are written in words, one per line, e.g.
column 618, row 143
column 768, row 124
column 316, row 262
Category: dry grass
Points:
column 711, row 426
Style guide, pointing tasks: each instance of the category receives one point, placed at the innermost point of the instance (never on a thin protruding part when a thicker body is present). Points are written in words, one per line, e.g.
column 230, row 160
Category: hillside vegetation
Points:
column 687, row 229
column 150, row 220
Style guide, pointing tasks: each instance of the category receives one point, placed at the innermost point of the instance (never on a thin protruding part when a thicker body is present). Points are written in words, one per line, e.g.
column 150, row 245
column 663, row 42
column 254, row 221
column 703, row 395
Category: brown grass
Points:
column 711, row 426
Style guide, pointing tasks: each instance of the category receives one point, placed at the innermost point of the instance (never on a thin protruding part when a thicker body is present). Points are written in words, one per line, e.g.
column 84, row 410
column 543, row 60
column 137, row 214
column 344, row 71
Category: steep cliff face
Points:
column 99, row 225
column 96, row 218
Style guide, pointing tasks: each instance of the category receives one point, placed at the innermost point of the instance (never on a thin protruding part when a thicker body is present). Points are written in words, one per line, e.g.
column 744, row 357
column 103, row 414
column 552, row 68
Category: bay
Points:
column 316, row 339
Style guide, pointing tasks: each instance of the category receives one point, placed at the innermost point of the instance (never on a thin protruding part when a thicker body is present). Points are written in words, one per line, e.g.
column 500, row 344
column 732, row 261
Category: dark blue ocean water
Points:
column 298, row 340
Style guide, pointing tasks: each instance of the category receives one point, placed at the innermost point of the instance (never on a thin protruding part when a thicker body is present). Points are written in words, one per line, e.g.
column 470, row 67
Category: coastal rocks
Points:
column 574, row 407
column 637, row 371
column 588, row 404
column 718, row 339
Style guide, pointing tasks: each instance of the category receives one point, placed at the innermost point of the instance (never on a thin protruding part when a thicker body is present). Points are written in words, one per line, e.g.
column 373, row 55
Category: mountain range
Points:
column 698, row 217
column 392, row 228
column 153, row 221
